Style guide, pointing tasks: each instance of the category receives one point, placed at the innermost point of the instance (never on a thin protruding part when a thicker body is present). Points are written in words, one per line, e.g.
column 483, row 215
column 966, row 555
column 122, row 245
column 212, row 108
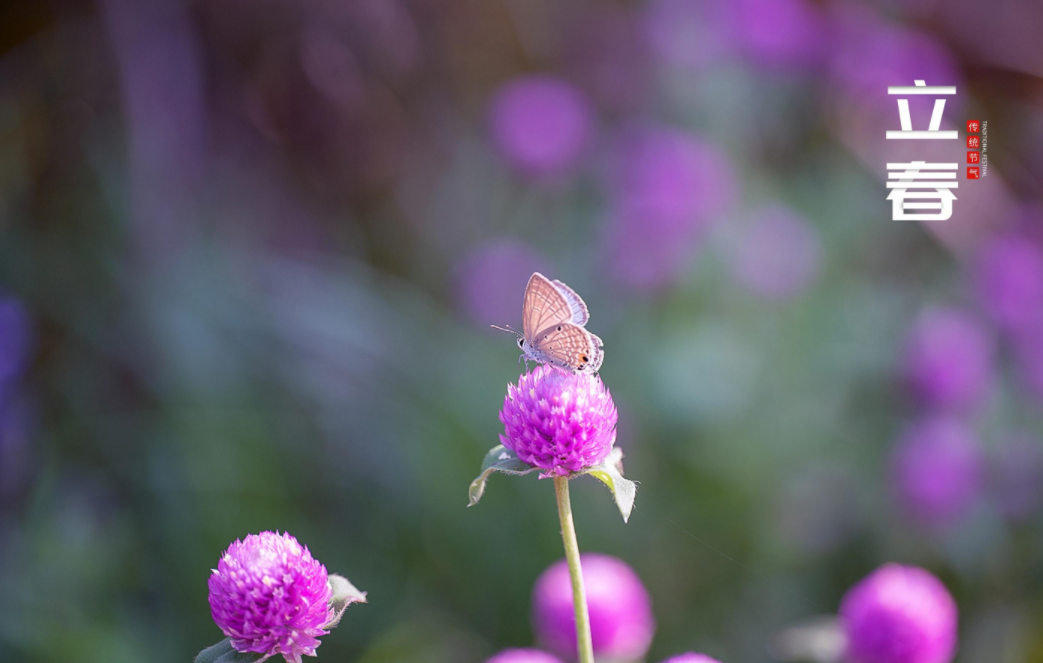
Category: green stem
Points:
column 579, row 595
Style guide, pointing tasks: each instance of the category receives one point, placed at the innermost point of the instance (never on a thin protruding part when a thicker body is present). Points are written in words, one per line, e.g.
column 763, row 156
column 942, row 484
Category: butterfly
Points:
column 553, row 332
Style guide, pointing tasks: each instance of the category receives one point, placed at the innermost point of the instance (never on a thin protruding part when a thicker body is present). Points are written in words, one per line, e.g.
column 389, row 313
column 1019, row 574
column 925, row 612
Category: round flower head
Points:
column 937, row 470
column 1009, row 281
column 491, row 276
column 558, row 421
column 271, row 597
column 691, row 657
column 663, row 195
column 899, row 614
column 523, row 656
column 621, row 622
column 779, row 34
column 948, row 359
column 540, row 124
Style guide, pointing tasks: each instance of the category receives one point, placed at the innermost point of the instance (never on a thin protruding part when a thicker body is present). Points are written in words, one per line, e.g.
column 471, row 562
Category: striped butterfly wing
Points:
column 545, row 307
column 580, row 314
column 569, row 346
column 599, row 354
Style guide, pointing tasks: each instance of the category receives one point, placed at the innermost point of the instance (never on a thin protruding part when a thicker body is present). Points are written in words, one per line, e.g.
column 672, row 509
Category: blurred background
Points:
column 249, row 253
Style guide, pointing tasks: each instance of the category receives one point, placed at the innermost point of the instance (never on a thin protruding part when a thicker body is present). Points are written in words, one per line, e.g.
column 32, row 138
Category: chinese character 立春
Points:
column 933, row 130
column 922, row 191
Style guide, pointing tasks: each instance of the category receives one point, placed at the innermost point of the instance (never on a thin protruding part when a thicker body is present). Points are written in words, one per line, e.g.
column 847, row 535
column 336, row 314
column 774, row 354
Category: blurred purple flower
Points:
column 688, row 34
column 665, row 186
column 691, row 657
column 523, row 656
column 778, row 255
column 867, row 55
column 779, row 33
column 1009, row 281
column 15, row 338
column 621, row 621
column 937, row 470
column 1017, row 476
column 558, row 421
column 540, row 124
column 948, row 359
column 271, row 597
column 490, row 283
column 899, row 614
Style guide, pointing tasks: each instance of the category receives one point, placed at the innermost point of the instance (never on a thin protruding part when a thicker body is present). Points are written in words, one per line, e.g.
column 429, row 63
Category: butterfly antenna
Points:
column 508, row 328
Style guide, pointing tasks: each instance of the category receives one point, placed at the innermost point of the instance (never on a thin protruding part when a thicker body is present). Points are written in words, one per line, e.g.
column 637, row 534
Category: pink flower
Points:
column 938, row 470
column 558, row 421
column 691, row 657
column 621, row 621
column 523, row 656
column 542, row 125
column 1009, row 281
column 899, row 614
column 271, row 597
column 949, row 359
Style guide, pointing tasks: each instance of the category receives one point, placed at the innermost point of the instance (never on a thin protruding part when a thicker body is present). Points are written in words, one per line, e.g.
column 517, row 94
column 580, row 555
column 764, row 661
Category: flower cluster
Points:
column 621, row 621
column 899, row 614
column 271, row 597
column 558, row 421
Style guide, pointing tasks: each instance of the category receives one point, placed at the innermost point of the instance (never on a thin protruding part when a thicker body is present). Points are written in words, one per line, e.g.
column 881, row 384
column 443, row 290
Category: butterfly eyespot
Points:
column 559, row 327
column 583, row 358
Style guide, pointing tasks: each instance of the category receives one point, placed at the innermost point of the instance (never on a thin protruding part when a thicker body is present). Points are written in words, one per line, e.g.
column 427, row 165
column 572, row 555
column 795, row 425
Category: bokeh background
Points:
column 250, row 250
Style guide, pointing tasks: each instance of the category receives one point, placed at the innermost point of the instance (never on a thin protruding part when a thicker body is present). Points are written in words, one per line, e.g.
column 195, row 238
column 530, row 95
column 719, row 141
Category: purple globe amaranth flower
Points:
column 558, row 421
column 779, row 33
column 621, row 621
column 490, row 280
column 1009, row 281
column 665, row 187
column 937, row 470
column 948, row 359
column 691, row 657
column 271, row 597
column 523, row 656
column 778, row 254
column 899, row 614
column 868, row 54
column 541, row 124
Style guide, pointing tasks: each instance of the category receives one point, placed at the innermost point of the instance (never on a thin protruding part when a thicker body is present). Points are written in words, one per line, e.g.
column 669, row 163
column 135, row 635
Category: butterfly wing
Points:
column 599, row 355
column 580, row 314
column 545, row 307
column 568, row 346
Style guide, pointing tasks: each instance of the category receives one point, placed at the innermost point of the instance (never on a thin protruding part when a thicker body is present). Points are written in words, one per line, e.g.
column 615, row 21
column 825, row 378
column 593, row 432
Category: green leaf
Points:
column 499, row 459
column 610, row 472
column 223, row 652
column 344, row 594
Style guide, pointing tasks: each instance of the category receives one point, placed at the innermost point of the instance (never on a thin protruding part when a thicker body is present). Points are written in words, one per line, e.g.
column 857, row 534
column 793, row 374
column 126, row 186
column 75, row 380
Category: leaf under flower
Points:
column 223, row 652
column 499, row 459
column 610, row 473
column 344, row 594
